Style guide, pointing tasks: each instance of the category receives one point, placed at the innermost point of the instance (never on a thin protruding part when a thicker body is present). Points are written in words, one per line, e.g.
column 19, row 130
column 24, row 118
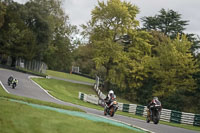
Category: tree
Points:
column 120, row 48
column 12, row 37
column 39, row 30
column 110, row 20
column 173, row 70
column 83, row 56
column 169, row 22
column 2, row 13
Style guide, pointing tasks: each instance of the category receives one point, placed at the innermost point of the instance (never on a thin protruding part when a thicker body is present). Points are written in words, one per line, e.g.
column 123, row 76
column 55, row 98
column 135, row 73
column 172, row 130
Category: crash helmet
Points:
column 111, row 92
column 155, row 98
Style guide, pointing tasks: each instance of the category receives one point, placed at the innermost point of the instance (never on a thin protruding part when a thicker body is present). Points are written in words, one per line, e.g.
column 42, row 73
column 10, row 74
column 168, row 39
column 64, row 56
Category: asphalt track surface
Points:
column 28, row 88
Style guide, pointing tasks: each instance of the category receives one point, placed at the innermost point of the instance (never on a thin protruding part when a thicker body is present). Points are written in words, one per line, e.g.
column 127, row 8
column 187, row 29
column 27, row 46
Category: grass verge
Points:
column 69, row 76
column 16, row 117
column 68, row 92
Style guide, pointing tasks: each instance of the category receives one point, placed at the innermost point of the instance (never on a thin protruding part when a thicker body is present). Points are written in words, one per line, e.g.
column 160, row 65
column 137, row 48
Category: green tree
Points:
column 173, row 70
column 39, row 30
column 83, row 56
column 169, row 22
column 2, row 13
column 120, row 49
column 110, row 20
column 14, row 33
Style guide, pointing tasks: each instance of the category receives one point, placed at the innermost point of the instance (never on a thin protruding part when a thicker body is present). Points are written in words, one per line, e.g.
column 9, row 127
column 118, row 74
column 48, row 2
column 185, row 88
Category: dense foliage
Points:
column 38, row 29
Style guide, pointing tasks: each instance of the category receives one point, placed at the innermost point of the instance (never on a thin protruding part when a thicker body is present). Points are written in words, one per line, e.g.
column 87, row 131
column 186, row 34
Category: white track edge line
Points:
column 43, row 88
column 4, row 87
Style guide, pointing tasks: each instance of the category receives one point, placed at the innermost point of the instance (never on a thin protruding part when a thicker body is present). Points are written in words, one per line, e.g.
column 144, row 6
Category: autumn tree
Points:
column 119, row 47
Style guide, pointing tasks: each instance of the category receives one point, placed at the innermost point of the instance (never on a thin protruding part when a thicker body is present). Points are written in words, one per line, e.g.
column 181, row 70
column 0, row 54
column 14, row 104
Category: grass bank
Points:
column 67, row 91
column 17, row 117
column 69, row 76
column 78, row 78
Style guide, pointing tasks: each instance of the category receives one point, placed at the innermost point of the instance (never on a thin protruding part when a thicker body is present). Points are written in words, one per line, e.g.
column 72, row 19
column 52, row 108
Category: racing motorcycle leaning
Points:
column 155, row 115
column 14, row 83
column 111, row 108
column 10, row 79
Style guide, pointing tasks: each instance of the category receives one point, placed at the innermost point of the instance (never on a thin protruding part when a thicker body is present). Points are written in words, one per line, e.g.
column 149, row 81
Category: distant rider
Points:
column 109, row 97
column 154, row 102
column 10, row 79
column 15, row 81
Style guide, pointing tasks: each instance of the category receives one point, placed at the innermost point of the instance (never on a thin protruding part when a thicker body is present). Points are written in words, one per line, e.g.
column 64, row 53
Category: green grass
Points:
column 69, row 76
column 29, row 100
column 16, row 117
column 67, row 91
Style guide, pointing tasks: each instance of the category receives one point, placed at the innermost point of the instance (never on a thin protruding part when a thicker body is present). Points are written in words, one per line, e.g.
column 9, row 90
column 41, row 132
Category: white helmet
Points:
column 155, row 98
column 111, row 92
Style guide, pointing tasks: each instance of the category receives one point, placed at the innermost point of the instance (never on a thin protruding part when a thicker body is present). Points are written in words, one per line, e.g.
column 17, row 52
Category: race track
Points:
column 28, row 88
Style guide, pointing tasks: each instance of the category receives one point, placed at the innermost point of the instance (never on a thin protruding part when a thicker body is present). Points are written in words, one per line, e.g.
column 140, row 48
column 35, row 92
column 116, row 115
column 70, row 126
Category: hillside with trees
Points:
column 137, row 61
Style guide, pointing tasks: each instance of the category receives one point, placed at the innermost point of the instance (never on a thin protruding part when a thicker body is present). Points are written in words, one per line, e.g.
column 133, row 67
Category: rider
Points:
column 15, row 81
column 155, row 101
column 109, row 97
column 10, row 79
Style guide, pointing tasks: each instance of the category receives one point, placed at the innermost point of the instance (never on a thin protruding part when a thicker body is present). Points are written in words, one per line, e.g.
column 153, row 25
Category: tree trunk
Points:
column 13, row 63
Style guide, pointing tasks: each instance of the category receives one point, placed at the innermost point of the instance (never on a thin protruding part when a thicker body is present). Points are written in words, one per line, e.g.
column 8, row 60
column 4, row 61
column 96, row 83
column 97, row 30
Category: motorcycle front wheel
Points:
column 147, row 119
column 13, row 86
column 105, row 113
column 112, row 111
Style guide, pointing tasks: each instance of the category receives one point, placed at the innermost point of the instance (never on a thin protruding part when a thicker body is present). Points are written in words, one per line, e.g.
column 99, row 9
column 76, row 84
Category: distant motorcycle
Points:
column 10, row 79
column 155, row 117
column 14, row 83
column 112, row 108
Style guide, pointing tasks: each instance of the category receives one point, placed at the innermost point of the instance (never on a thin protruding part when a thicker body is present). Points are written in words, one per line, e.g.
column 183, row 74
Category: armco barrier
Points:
column 197, row 120
column 165, row 115
column 125, row 108
column 120, row 106
column 145, row 111
column 187, row 118
column 88, row 98
column 132, row 108
column 176, row 116
column 81, row 96
column 139, row 110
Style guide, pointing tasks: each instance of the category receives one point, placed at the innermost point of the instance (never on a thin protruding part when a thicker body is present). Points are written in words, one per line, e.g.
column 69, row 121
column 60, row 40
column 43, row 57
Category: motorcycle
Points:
column 112, row 108
column 10, row 79
column 155, row 117
column 14, row 83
